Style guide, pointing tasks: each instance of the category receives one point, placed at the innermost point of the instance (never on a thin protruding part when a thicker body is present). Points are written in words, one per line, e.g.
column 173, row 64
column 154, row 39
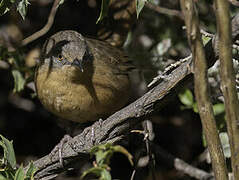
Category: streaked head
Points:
column 65, row 48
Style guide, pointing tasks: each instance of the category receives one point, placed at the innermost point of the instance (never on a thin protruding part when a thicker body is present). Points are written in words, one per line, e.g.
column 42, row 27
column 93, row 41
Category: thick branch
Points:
column 202, row 91
column 113, row 128
column 228, row 84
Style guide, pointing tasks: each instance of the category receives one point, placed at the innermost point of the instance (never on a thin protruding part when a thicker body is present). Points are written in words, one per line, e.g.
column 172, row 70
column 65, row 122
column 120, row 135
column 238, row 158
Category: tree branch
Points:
column 202, row 91
column 113, row 128
column 228, row 84
column 46, row 28
column 162, row 10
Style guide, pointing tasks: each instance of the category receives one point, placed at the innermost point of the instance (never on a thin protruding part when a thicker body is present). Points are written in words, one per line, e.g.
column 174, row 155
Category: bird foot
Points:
column 59, row 147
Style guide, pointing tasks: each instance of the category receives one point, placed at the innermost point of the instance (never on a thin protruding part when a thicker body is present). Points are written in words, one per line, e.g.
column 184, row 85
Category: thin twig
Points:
column 148, row 130
column 234, row 2
column 162, row 156
column 161, row 10
column 46, row 28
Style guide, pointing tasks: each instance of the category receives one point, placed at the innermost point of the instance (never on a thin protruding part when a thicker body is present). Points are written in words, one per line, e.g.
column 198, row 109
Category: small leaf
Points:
column 186, row 97
column 105, row 175
column 100, row 172
column 19, row 81
column 19, row 174
column 2, row 177
column 205, row 39
column 61, row 2
column 139, row 6
column 218, row 109
column 104, row 10
column 9, row 153
column 195, row 107
column 22, row 8
column 31, row 171
column 5, row 6
column 204, row 141
column 225, row 144
column 124, row 151
column 100, row 157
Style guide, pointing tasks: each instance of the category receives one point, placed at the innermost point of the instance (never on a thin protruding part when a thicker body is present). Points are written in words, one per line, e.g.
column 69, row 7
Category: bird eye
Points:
column 60, row 57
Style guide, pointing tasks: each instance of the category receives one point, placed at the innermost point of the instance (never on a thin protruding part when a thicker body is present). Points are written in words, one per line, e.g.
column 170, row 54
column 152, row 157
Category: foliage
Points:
column 104, row 10
column 187, row 99
column 8, row 167
column 103, row 154
column 139, row 6
column 22, row 6
column 105, row 7
column 18, row 68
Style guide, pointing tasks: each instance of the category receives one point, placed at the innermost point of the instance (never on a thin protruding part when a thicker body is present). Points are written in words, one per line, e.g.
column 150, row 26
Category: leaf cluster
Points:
column 103, row 154
column 8, row 165
column 18, row 68
column 22, row 6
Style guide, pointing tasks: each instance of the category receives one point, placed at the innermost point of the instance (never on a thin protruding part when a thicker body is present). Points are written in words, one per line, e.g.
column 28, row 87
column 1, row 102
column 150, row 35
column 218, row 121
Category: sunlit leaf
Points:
column 104, row 10
column 204, row 141
column 31, row 171
column 205, row 39
column 218, row 108
column 5, row 6
column 2, row 177
column 61, row 2
column 19, row 81
column 139, row 6
column 195, row 107
column 225, row 144
column 100, row 172
column 8, row 150
column 186, row 97
column 22, row 8
column 19, row 174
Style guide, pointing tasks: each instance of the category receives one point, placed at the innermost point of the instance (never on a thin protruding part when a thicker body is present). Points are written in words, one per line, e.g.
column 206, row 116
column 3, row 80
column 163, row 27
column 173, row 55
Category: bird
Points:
column 82, row 79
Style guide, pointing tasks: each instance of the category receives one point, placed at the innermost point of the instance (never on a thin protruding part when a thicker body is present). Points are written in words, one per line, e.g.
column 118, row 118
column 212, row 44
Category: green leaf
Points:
column 100, row 172
column 225, row 144
column 105, row 175
column 124, row 151
column 218, row 109
column 19, row 81
column 31, row 171
column 22, row 8
column 9, row 154
column 139, row 6
column 104, row 10
column 19, row 174
column 195, row 107
column 61, row 2
column 2, row 177
column 205, row 39
column 204, row 141
column 186, row 97
column 5, row 6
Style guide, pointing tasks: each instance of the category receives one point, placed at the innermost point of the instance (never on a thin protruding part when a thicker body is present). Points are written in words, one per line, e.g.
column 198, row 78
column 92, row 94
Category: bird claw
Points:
column 59, row 147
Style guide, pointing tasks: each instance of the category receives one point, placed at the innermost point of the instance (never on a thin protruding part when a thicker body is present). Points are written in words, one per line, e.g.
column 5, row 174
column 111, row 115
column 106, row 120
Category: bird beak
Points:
column 78, row 64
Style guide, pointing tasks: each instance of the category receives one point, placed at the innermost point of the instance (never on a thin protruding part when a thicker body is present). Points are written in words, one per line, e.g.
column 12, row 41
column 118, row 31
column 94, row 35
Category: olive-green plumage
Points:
column 82, row 79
